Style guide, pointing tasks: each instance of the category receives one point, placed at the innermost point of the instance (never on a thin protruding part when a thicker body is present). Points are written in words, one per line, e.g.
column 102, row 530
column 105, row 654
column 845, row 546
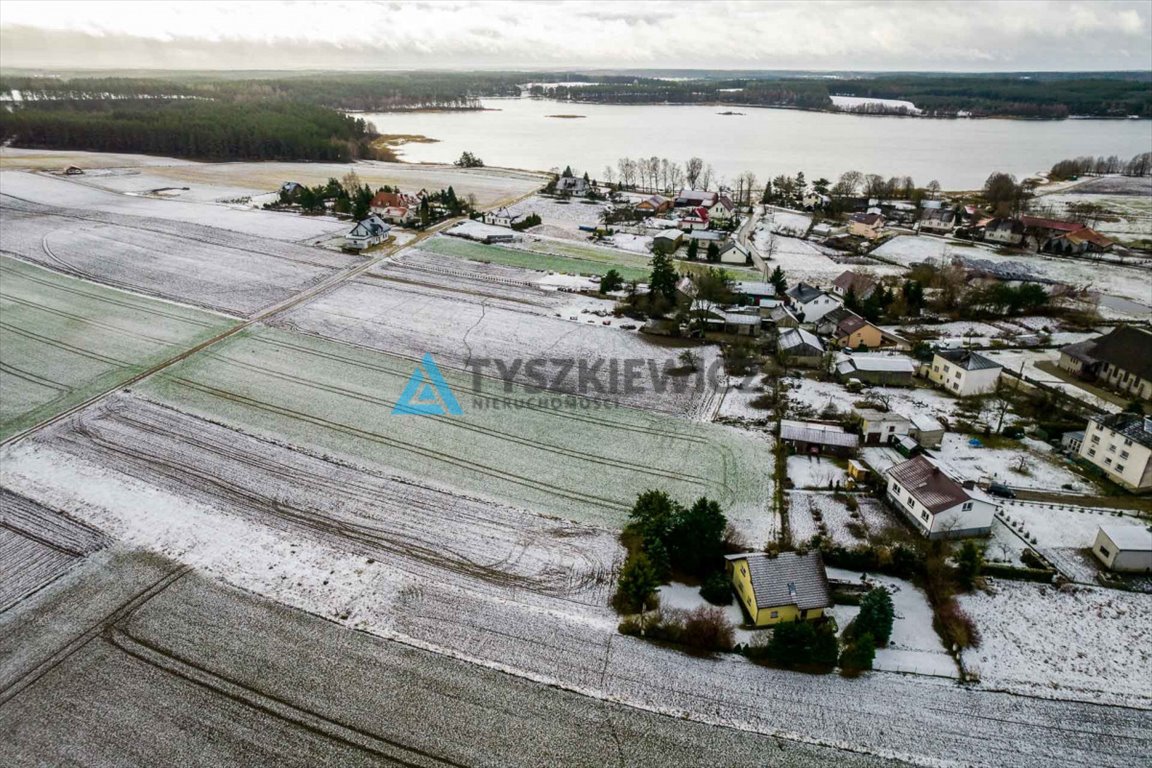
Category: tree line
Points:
column 203, row 129
column 1140, row 165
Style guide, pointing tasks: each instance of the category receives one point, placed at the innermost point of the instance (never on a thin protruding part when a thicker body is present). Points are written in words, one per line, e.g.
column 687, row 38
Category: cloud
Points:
column 880, row 35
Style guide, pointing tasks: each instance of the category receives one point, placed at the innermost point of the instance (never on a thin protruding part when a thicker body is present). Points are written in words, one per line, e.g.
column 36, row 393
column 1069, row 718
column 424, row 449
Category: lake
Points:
column 517, row 133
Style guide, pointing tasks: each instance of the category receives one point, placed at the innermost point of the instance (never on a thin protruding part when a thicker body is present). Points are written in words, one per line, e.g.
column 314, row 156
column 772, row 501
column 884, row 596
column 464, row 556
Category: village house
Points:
column 395, row 207
column 1124, row 548
column 811, row 303
column 814, row 200
column 714, row 318
column 572, row 185
column 1120, row 360
column 814, row 438
column 1004, row 232
column 938, row 505
column 503, row 218
column 926, row 430
column 734, row 252
column 1071, row 441
column 779, row 316
column 963, row 372
column 880, row 428
column 753, row 291
column 848, row 330
column 1120, row 444
column 785, row 587
column 875, row 369
column 654, row 204
column 799, row 347
column 696, row 198
column 861, row 284
column 367, row 233
column 866, row 225
column 938, row 221
column 695, row 218
column 723, row 210
column 1079, row 242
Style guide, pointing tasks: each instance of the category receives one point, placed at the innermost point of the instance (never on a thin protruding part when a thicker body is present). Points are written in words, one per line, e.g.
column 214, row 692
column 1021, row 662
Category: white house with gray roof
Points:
column 963, row 372
column 938, row 505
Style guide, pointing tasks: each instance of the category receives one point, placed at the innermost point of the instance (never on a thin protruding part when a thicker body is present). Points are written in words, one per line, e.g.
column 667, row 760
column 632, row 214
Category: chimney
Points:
column 968, row 485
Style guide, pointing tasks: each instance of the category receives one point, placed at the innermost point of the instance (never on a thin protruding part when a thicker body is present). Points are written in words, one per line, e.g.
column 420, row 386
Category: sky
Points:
column 967, row 35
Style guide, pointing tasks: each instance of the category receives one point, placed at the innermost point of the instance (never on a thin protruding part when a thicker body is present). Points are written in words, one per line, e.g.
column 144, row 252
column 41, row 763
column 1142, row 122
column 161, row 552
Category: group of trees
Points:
column 659, row 174
column 664, row 537
column 872, row 627
column 884, row 302
column 197, row 128
column 352, row 197
column 1140, row 165
column 468, row 160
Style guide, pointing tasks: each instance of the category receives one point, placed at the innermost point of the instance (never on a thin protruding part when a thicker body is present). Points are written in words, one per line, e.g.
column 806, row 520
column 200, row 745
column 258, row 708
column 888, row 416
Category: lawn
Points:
column 65, row 340
column 564, row 456
column 547, row 256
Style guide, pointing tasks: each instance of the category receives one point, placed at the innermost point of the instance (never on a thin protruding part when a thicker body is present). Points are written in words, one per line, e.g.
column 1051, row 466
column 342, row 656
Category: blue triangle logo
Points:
column 427, row 393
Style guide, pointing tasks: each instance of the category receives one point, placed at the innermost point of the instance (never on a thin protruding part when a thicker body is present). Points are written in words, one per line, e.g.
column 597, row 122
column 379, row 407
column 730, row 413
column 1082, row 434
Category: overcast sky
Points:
column 455, row 34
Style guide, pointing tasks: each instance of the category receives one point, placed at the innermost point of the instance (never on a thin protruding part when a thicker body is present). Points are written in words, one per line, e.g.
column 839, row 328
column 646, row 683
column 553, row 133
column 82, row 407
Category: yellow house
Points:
column 782, row 588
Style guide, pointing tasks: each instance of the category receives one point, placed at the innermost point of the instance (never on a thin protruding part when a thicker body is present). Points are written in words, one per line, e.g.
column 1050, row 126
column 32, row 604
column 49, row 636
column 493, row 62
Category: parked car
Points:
column 1003, row 491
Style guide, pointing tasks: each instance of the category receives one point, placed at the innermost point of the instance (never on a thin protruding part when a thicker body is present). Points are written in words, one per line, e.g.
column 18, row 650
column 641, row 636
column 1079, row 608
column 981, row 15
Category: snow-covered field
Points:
column 1043, row 470
column 567, row 215
column 202, row 265
column 55, row 192
column 807, row 397
column 819, row 472
column 1084, row 643
column 805, row 261
column 533, row 450
column 65, row 340
column 781, row 221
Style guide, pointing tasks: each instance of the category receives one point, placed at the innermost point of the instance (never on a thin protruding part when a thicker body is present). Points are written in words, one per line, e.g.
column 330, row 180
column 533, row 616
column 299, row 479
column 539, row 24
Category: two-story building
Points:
column 880, row 428
column 810, row 302
column 866, row 225
column 1004, row 232
column 368, row 232
column 849, row 331
column 938, row 505
column 1120, row 444
column 1120, row 360
column 963, row 372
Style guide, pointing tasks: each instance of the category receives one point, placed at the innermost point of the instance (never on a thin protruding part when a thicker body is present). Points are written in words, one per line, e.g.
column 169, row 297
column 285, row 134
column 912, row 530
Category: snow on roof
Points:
column 967, row 359
column 787, row 579
column 1133, row 538
column 759, row 289
column 796, row 337
column 820, row 434
column 867, row 362
column 926, row 423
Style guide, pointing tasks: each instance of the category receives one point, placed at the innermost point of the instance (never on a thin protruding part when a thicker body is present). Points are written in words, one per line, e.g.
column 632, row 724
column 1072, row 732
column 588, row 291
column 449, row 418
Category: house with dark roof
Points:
column 963, row 372
column 367, row 233
column 1120, row 360
column 875, row 369
column 799, row 347
column 811, row 302
column 860, row 283
column 866, row 225
column 1120, row 444
column 814, row 438
column 938, row 221
column 787, row 587
column 938, row 505
column 696, row 198
column 1004, row 231
column 723, row 209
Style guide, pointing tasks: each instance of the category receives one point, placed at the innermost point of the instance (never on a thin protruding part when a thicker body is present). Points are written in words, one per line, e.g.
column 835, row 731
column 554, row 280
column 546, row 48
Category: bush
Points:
column 717, row 589
column 969, row 563
column 636, row 589
column 800, row 645
column 955, row 626
column 858, row 655
column 702, row 631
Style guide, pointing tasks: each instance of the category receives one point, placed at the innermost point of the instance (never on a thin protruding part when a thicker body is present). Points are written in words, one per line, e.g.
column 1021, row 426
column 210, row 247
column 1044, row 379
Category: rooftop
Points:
column 787, row 579
column 1131, row 425
column 804, row 293
column 867, row 362
column 817, row 434
column 967, row 359
column 1129, row 537
column 795, row 337
column 1126, row 347
column 928, row 484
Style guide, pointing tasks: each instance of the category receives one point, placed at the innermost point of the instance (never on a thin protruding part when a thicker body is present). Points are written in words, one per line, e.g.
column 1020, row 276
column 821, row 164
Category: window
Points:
column 1119, row 467
column 1111, row 449
column 1123, row 454
column 774, row 615
column 1091, row 451
column 1108, row 461
column 924, row 516
column 967, row 506
column 1104, row 552
column 1095, row 439
column 1128, row 442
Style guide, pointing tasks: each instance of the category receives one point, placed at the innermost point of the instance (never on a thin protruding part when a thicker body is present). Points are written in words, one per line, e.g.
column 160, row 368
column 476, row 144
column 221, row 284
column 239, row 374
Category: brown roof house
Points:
column 937, row 504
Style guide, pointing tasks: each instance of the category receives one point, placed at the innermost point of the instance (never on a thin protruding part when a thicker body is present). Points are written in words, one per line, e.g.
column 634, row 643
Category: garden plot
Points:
column 816, row 472
column 544, row 255
column 804, row 261
column 807, row 509
column 914, row 646
column 1023, row 466
column 65, row 340
column 738, row 406
column 54, row 191
column 37, row 545
column 1063, row 533
column 463, row 331
column 531, row 450
column 567, row 215
column 807, row 397
column 1078, row 642
column 198, row 265
column 788, row 223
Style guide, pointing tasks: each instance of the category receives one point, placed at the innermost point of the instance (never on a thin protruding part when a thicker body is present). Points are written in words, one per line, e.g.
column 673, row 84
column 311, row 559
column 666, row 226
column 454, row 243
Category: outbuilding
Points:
column 1124, row 548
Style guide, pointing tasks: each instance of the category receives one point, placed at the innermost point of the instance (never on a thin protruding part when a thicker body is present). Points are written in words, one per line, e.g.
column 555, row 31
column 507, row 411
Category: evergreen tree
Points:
column 713, row 251
column 635, row 591
column 778, row 281
column 969, row 563
column 851, row 301
column 697, row 538
column 693, row 249
column 662, row 282
column 859, row 654
column 876, row 616
column 611, row 281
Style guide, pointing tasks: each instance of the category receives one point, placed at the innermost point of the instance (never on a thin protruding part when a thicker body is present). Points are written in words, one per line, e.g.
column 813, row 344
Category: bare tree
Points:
column 848, row 184
column 746, row 182
column 933, row 188
column 654, row 170
column 675, row 176
column 609, row 174
column 692, row 170
column 706, row 178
